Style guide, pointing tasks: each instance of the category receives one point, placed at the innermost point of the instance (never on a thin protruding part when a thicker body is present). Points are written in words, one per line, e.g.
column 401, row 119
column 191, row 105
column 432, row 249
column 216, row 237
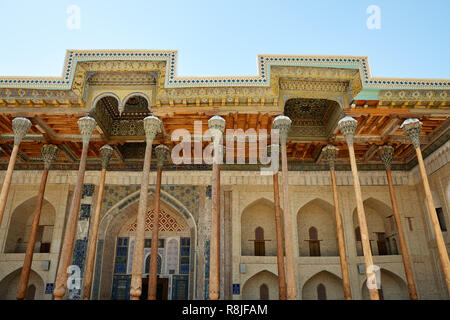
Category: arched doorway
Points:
column 323, row 286
column 381, row 227
column 261, row 286
column 316, row 228
column 176, row 247
column 392, row 287
column 258, row 233
column 20, row 227
column 10, row 284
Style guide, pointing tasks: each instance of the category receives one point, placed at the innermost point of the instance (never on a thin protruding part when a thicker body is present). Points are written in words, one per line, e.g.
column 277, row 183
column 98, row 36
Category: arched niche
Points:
column 116, row 222
column 10, row 284
column 251, row 290
column 326, row 281
column 317, row 218
column 259, row 214
column 392, row 286
column 381, row 227
column 20, row 227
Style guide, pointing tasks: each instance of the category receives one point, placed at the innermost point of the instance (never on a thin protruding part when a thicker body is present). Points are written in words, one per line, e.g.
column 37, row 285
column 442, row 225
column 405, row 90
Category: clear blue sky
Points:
column 224, row 37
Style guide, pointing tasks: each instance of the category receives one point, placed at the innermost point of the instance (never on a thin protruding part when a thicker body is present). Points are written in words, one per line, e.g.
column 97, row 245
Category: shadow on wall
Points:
column 10, row 283
column 316, row 228
column 20, row 227
column 323, row 286
column 262, row 286
column 258, row 233
column 392, row 287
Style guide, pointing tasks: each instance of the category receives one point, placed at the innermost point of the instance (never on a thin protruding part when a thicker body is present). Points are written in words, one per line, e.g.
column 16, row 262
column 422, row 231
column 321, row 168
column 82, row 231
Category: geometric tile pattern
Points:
column 166, row 222
column 265, row 62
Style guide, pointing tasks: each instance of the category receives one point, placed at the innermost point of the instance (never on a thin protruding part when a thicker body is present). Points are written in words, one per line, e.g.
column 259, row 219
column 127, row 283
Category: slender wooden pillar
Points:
column 347, row 125
column 105, row 155
column 386, row 153
column 161, row 153
column 152, row 126
column 86, row 126
column 330, row 153
column 412, row 128
column 20, row 127
column 280, row 251
column 217, row 126
column 49, row 154
column 283, row 124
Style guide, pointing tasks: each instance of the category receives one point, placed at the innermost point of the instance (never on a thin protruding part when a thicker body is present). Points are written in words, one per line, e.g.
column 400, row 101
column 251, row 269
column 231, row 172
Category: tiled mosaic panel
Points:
column 120, row 265
column 81, row 237
column 166, row 222
column 180, row 284
column 172, row 256
column 121, row 287
column 187, row 195
column 185, row 244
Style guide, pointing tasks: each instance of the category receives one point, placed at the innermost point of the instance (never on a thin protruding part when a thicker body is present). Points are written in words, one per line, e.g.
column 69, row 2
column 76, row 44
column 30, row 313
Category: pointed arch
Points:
column 393, row 286
column 316, row 229
column 381, row 227
column 19, row 227
column 138, row 94
column 125, row 210
column 323, row 282
column 10, row 284
column 251, row 289
column 257, row 217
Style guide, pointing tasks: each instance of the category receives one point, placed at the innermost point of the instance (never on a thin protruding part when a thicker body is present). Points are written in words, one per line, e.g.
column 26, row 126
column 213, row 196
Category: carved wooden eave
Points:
column 379, row 104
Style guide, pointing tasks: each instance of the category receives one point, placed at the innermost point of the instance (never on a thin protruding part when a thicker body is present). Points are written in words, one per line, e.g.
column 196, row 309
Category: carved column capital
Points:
column 386, row 153
column 412, row 128
column 330, row 154
column 106, row 152
column 216, row 123
column 152, row 125
column 86, row 126
column 283, row 125
column 161, row 152
column 347, row 126
column 49, row 152
column 20, row 127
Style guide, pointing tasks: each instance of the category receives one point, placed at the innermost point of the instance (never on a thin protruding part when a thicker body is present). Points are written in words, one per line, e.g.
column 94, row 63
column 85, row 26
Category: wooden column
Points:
column 347, row 125
column 283, row 124
column 152, row 126
column 386, row 153
column 49, row 154
column 161, row 153
column 20, row 127
column 86, row 126
column 280, row 251
column 217, row 126
column 412, row 128
column 330, row 154
column 105, row 155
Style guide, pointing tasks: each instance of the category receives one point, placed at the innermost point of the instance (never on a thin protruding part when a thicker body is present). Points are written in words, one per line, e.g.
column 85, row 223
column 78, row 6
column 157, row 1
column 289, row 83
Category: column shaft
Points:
column 25, row 273
column 93, row 240
column 340, row 238
column 7, row 181
column 153, row 273
column 368, row 261
column 443, row 254
column 402, row 240
column 138, row 255
column 214, row 271
column 288, row 236
column 69, row 236
column 280, row 251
